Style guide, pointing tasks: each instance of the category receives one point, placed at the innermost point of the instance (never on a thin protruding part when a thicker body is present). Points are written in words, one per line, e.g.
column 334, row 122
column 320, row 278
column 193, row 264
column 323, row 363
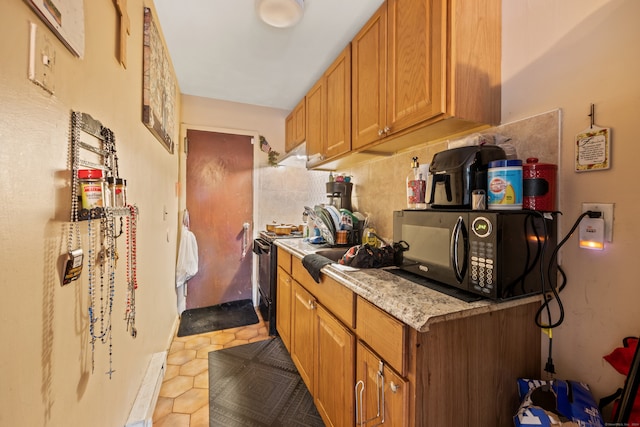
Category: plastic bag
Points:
column 187, row 265
column 556, row 403
column 367, row 256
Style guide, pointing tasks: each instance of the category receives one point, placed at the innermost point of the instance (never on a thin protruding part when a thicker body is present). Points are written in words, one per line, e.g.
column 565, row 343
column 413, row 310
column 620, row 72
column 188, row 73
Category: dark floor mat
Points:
column 258, row 385
column 217, row 317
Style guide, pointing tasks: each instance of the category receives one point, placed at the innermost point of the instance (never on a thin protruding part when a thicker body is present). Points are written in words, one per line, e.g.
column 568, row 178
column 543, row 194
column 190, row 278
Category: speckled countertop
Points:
column 415, row 305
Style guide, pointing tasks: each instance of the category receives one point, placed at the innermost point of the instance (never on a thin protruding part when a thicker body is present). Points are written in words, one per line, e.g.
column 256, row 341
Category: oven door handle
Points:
column 261, row 247
column 458, row 269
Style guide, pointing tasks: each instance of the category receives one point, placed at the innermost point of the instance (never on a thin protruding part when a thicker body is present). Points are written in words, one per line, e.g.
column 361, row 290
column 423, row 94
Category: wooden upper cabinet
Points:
column 295, row 127
column 397, row 69
column 315, row 119
column 329, row 112
column 338, row 105
column 289, row 131
column 369, row 80
column 300, row 122
column 416, row 46
column 418, row 63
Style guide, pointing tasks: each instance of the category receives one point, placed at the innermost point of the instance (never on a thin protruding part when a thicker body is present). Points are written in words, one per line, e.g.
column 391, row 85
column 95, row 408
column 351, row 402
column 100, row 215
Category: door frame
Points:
column 182, row 184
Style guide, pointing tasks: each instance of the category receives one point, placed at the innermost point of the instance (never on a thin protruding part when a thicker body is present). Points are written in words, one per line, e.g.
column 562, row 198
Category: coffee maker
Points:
column 339, row 194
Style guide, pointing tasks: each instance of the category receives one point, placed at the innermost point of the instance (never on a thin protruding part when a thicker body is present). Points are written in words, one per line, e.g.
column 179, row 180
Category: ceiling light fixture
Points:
column 280, row 13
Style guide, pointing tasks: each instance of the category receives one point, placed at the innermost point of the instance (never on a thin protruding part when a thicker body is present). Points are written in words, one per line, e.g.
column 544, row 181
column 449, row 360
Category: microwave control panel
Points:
column 482, row 275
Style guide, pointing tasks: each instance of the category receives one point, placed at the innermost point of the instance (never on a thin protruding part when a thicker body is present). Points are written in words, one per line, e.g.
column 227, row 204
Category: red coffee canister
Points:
column 539, row 185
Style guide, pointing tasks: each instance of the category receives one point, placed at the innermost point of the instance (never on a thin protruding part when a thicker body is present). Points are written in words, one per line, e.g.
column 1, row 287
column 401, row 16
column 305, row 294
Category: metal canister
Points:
column 91, row 188
column 539, row 185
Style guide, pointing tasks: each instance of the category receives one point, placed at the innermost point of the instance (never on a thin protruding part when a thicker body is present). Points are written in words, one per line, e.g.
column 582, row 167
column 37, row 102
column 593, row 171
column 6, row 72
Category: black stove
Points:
column 264, row 247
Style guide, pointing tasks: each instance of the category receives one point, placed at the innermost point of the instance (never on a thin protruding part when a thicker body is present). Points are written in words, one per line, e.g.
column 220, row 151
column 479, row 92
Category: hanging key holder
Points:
column 593, row 147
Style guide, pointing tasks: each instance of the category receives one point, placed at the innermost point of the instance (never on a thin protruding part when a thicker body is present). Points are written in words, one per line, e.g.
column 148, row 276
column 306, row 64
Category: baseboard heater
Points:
column 142, row 412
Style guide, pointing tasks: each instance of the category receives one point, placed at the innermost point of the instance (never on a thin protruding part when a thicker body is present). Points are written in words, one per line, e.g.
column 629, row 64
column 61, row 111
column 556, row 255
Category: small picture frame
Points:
column 593, row 149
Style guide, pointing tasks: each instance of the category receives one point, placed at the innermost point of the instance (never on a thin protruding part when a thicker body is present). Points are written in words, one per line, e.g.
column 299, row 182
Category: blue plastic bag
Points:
column 556, row 403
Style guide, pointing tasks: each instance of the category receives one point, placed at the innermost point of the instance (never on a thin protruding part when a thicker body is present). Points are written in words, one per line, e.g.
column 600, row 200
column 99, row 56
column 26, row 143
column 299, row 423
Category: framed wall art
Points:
column 66, row 19
column 159, row 86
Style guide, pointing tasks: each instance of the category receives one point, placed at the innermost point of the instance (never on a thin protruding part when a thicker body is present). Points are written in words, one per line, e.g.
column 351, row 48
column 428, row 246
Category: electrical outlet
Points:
column 607, row 215
column 42, row 59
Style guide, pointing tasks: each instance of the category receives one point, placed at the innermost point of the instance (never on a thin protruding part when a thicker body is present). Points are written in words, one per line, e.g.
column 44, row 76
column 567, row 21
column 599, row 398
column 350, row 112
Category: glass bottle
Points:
column 416, row 187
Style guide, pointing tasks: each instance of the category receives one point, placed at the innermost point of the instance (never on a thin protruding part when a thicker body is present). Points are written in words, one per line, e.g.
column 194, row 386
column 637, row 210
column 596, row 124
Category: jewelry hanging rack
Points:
column 100, row 153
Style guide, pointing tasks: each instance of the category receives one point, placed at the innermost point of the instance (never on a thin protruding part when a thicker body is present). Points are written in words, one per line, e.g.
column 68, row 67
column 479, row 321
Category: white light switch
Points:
column 42, row 58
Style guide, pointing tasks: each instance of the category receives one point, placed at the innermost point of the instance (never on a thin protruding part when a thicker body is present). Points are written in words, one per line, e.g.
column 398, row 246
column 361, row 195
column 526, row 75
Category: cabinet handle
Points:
column 380, row 385
column 394, row 387
column 386, row 129
column 380, row 132
column 312, row 304
column 359, row 412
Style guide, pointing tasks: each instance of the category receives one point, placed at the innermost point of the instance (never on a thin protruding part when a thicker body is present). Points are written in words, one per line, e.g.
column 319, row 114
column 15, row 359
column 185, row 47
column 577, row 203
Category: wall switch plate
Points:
column 42, row 58
column 607, row 215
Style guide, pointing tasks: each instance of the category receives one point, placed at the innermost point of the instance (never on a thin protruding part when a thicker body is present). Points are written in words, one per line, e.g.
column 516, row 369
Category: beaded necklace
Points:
column 132, row 280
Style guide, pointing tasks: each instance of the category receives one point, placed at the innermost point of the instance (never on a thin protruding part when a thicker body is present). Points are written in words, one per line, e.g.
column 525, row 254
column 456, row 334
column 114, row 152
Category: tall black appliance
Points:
column 266, row 250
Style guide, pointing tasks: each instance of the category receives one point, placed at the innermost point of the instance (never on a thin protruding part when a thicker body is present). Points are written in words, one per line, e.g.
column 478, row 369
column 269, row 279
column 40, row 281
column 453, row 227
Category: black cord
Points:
column 552, row 280
column 554, row 258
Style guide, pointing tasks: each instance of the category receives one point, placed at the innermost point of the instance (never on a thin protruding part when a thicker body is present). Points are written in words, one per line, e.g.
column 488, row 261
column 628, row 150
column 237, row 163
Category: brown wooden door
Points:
column 220, row 200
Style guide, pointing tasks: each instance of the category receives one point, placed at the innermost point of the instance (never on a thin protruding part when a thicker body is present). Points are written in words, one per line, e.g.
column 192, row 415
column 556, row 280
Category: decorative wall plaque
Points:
column 159, row 91
column 66, row 19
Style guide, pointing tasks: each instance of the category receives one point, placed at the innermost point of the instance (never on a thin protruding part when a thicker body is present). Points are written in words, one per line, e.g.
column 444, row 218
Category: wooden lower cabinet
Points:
column 302, row 332
column 334, row 367
column 382, row 396
column 461, row 372
column 283, row 307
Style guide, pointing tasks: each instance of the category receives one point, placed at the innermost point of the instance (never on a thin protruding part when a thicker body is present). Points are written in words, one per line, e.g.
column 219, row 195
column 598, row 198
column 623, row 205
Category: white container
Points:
column 504, row 185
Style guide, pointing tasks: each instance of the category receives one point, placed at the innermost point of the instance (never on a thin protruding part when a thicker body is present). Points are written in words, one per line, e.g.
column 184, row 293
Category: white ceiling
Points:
column 220, row 49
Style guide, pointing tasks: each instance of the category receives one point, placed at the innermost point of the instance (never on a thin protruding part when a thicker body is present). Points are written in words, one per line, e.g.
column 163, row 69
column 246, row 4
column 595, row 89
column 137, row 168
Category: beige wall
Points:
column 45, row 357
column 569, row 54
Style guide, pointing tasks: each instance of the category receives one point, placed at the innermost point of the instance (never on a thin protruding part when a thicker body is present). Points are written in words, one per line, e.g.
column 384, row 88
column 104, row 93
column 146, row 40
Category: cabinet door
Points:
column 289, row 132
column 334, row 370
column 416, row 64
column 300, row 121
column 283, row 307
column 302, row 332
column 337, row 80
column 369, row 80
column 381, row 394
column 315, row 119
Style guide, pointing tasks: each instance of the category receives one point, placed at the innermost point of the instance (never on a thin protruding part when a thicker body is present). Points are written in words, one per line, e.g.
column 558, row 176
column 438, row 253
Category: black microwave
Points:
column 495, row 254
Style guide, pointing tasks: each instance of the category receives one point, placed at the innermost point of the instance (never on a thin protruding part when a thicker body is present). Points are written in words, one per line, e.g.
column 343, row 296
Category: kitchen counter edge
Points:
column 415, row 305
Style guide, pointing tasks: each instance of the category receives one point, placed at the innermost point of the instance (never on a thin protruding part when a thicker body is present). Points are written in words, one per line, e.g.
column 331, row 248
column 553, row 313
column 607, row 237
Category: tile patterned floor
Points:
column 184, row 396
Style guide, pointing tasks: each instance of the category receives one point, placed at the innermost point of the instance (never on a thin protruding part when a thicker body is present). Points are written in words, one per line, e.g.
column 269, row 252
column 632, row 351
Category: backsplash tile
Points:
column 379, row 185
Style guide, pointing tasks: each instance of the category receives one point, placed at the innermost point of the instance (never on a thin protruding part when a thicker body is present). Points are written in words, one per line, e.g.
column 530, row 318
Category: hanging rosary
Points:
column 132, row 280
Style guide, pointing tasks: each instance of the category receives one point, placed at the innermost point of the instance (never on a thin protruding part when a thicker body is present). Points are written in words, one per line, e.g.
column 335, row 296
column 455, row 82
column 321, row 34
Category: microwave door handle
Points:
column 458, row 269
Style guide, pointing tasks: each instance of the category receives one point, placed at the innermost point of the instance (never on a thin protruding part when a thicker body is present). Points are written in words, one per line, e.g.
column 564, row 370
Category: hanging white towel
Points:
column 187, row 265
